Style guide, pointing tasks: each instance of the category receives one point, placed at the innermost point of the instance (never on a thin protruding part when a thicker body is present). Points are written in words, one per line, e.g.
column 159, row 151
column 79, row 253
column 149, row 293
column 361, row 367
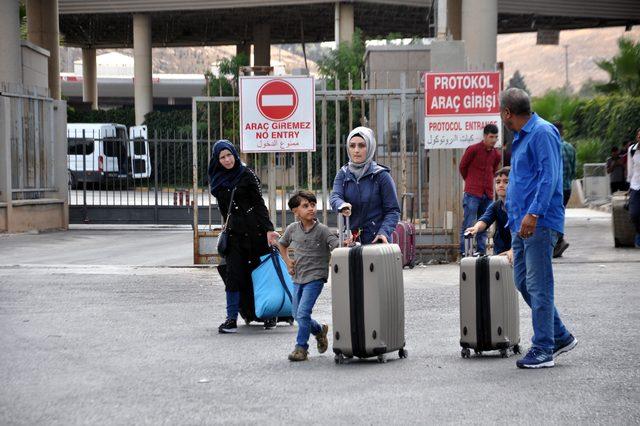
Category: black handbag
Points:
column 223, row 238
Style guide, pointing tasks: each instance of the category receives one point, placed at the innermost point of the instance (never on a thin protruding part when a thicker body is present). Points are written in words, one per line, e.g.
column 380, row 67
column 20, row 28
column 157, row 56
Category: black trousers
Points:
column 634, row 208
column 618, row 186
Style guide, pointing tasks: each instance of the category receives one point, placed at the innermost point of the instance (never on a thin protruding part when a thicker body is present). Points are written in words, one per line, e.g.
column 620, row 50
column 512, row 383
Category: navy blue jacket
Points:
column 502, row 237
column 374, row 201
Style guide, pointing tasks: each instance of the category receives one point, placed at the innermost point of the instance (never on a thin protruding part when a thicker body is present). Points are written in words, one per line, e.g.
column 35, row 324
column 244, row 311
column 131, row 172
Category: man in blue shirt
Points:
column 536, row 219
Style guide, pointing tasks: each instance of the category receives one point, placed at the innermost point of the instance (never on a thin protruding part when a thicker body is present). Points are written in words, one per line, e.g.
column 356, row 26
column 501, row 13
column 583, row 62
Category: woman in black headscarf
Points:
column 250, row 230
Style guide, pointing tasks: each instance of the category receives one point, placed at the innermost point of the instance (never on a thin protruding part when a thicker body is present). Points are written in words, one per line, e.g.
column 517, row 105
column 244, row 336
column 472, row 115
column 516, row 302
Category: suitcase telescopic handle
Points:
column 343, row 227
column 468, row 244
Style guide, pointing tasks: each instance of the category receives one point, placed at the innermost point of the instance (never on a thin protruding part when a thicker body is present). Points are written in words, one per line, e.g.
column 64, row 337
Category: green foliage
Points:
column 623, row 69
column 611, row 119
column 588, row 151
column 556, row 105
column 124, row 116
column 344, row 61
column 518, row 81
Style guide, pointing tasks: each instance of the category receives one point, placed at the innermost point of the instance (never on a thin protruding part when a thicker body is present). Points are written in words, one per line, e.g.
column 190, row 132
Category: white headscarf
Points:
column 359, row 169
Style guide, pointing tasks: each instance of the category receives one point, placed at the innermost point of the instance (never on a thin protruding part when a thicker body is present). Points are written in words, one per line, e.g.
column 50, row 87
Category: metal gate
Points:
column 396, row 115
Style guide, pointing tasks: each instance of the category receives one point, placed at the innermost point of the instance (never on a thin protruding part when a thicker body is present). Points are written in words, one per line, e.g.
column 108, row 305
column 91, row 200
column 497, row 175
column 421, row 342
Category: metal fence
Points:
column 396, row 115
column 172, row 187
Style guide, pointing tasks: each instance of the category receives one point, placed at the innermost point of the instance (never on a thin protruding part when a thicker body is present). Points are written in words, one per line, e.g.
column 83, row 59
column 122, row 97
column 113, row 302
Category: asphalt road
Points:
column 117, row 344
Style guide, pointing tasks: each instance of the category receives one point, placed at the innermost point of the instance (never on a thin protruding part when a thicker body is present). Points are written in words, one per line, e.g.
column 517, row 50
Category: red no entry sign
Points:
column 277, row 100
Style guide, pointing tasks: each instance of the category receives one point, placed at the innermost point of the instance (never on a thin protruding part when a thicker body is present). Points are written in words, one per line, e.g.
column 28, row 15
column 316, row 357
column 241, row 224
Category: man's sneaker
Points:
column 298, row 354
column 560, row 247
column 229, row 326
column 565, row 346
column 271, row 323
column 535, row 358
column 323, row 342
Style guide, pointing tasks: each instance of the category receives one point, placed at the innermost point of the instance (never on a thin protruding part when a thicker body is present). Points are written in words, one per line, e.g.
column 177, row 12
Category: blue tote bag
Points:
column 272, row 287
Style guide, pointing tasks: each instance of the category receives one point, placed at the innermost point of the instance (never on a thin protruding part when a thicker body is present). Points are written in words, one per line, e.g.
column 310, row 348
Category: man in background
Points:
column 477, row 167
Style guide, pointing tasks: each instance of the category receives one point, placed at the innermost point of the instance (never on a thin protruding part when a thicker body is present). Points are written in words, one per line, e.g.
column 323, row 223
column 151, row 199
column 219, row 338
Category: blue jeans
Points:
column 233, row 304
column 474, row 208
column 304, row 298
column 533, row 275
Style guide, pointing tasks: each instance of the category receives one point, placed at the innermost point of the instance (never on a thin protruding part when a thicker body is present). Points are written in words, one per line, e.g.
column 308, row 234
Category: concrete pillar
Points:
column 43, row 30
column 480, row 32
column 89, row 77
column 454, row 17
column 261, row 45
column 143, row 83
column 10, row 62
column 244, row 47
column 344, row 23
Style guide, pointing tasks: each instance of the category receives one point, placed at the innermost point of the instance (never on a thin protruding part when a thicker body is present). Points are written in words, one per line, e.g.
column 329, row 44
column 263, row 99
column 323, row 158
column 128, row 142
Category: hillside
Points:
column 543, row 67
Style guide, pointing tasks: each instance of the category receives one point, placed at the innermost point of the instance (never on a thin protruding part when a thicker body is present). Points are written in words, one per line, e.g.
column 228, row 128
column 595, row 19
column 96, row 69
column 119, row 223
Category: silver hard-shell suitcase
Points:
column 367, row 293
column 489, row 309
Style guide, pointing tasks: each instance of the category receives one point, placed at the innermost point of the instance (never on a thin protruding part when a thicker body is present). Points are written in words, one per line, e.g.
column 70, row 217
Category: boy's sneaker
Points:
column 535, row 358
column 271, row 323
column 565, row 346
column 229, row 326
column 298, row 354
column 323, row 341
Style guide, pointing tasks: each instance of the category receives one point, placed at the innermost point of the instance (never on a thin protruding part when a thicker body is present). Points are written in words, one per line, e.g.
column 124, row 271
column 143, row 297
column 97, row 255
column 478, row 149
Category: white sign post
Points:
column 458, row 106
column 277, row 114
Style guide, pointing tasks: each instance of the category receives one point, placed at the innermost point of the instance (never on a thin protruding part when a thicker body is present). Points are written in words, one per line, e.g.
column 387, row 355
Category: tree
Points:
column 344, row 61
column 623, row 69
column 518, row 81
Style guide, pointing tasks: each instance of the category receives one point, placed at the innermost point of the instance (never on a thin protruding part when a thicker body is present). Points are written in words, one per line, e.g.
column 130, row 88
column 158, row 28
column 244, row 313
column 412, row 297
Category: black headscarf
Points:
column 219, row 177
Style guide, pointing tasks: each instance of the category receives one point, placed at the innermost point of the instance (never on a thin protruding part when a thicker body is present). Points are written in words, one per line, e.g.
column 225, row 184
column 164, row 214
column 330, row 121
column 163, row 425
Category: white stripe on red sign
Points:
column 277, row 100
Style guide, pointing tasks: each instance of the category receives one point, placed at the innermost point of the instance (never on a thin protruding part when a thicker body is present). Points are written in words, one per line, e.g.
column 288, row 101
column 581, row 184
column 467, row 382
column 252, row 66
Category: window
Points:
column 80, row 146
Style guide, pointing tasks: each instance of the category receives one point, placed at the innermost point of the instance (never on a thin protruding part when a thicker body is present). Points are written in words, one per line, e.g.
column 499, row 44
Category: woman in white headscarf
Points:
column 365, row 191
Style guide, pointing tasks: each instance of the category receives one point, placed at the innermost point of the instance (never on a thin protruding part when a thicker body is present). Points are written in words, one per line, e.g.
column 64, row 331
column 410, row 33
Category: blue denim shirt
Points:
column 535, row 181
column 502, row 237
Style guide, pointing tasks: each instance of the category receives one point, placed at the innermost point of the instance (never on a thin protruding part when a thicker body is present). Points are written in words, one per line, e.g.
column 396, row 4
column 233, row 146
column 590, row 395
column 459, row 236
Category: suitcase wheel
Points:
column 465, row 353
column 403, row 353
column 382, row 359
column 339, row 359
column 503, row 353
column 516, row 349
column 247, row 322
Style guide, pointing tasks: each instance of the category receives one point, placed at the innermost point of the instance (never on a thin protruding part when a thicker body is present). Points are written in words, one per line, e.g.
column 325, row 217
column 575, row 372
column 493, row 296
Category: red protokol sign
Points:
column 277, row 100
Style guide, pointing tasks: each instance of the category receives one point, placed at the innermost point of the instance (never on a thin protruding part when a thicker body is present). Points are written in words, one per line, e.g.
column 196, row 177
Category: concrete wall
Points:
column 385, row 65
column 35, row 63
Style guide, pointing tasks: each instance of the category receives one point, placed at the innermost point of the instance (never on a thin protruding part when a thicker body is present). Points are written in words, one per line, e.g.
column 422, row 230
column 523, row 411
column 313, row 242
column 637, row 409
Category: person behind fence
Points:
column 249, row 229
column 365, row 191
column 633, row 176
column 568, row 175
column 496, row 212
column 536, row 218
column 477, row 167
column 616, row 170
column 312, row 243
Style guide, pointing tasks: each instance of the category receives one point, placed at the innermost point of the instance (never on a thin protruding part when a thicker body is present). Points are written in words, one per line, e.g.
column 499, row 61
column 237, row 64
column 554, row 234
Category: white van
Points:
column 99, row 150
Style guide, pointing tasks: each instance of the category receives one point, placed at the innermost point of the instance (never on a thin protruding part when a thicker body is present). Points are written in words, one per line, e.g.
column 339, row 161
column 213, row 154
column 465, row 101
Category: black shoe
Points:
column 270, row 324
column 229, row 326
column 560, row 247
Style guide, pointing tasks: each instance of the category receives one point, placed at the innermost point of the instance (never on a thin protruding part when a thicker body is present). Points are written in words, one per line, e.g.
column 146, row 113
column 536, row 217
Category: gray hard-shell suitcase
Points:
column 367, row 293
column 489, row 309
column 623, row 230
